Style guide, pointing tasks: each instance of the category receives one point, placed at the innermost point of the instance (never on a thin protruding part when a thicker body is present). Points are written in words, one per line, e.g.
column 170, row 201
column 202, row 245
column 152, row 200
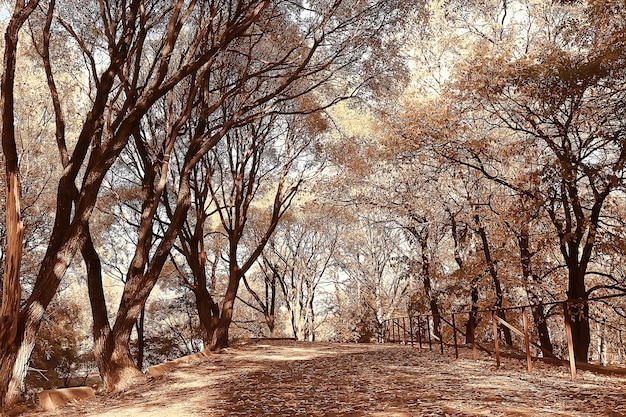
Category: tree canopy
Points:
column 205, row 171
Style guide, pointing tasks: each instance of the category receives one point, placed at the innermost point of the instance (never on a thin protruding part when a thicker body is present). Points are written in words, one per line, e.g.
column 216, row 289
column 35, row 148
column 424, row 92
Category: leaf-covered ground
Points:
column 284, row 378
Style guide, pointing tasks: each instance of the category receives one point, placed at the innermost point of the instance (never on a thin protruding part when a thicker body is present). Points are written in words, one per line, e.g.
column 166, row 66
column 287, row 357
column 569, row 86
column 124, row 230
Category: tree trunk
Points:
column 208, row 313
column 219, row 339
column 579, row 313
column 312, row 316
column 434, row 308
column 432, row 300
column 11, row 292
column 541, row 322
column 11, row 287
column 120, row 369
column 103, row 343
column 139, row 326
column 539, row 316
column 472, row 321
column 115, row 363
column 7, row 362
column 295, row 326
column 270, row 298
column 208, row 310
column 508, row 338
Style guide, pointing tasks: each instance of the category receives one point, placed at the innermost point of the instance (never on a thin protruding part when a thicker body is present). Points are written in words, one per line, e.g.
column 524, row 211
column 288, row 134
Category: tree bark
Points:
column 472, row 320
column 219, row 338
column 141, row 343
column 539, row 316
column 101, row 326
column 10, row 327
column 208, row 314
column 579, row 313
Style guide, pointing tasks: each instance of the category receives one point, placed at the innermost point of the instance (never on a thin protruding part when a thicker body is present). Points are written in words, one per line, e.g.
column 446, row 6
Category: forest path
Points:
column 286, row 378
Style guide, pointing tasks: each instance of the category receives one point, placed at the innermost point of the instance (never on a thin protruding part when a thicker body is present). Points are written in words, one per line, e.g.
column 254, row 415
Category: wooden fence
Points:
column 419, row 330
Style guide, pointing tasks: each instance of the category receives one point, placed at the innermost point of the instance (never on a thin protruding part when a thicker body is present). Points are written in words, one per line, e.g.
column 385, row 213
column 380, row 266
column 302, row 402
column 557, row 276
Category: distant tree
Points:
column 264, row 288
column 372, row 261
column 553, row 88
column 301, row 254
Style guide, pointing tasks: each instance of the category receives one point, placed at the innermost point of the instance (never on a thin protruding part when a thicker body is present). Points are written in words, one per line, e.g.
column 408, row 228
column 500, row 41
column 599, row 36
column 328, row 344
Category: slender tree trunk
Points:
column 508, row 338
column 208, row 314
column 10, row 327
column 270, row 297
column 432, row 300
column 472, row 321
column 101, row 326
column 539, row 316
column 538, row 313
column 295, row 322
column 11, row 294
column 219, row 339
column 312, row 317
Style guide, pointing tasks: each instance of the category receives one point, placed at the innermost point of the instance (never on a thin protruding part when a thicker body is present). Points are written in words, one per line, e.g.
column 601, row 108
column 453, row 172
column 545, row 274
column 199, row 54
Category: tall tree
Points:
column 242, row 173
column 11, row 286
column 560, row 98
column 300, row 254
column 140, row 67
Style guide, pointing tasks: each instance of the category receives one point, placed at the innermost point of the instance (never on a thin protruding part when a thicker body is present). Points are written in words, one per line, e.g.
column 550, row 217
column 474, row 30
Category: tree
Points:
column 11, row 286
column 113, row 350
column 560, row 98
column 300, row 254
column 372, row 260
column 239, row 85
column 244, row 171
column 124, row 85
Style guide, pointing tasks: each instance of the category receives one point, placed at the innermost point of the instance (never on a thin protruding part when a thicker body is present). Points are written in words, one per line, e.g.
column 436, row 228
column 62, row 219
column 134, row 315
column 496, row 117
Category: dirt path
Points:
column 279, row 378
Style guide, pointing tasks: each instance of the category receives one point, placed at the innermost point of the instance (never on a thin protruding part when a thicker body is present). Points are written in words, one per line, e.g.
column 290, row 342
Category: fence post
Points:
column 411, row 329
column 570, row 341
column 495, row 337
column 527, row 341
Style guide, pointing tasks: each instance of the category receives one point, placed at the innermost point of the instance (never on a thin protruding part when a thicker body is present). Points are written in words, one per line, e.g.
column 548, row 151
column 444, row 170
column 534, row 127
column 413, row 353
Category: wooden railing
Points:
column 417, row 330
